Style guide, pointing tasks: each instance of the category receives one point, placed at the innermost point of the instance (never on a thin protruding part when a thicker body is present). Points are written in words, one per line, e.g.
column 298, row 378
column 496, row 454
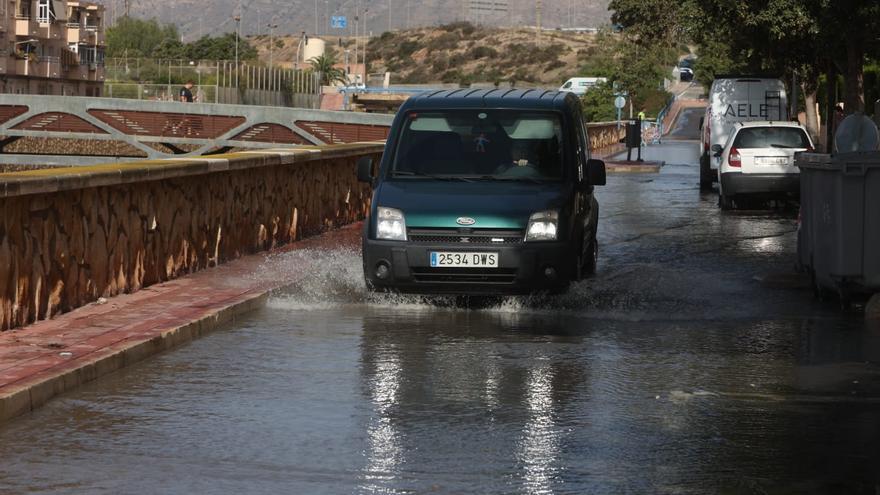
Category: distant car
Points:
column 580, row 85
column 758, row 159
column 354, row 87
column 685, row 74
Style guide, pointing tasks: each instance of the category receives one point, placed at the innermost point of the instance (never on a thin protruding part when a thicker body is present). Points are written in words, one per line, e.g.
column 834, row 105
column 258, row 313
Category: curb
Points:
column 613, row 168
column 39, row 389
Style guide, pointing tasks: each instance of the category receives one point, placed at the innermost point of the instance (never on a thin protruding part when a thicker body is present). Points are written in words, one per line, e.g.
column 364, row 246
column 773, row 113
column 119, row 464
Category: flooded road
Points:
column 693, row 362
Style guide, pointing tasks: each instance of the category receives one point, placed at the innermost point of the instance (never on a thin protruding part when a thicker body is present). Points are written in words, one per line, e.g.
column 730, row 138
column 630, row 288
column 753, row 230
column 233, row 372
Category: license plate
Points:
column 443, row 259
column 772, row 160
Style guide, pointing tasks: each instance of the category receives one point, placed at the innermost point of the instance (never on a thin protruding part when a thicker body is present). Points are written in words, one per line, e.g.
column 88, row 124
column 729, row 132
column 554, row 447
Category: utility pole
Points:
column 271, row 42
column 316, row 17
column 237, row 19
column 389, row 15
column 538, row 21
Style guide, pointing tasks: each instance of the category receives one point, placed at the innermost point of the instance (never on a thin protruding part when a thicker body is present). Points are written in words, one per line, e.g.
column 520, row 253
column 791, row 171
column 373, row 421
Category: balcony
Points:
column 43, row 67
column 85, row 72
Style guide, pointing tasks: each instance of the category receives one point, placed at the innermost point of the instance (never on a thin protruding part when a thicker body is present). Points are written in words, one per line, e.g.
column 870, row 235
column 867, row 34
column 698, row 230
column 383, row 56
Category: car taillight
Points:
column 733, row 159
column 810, row 149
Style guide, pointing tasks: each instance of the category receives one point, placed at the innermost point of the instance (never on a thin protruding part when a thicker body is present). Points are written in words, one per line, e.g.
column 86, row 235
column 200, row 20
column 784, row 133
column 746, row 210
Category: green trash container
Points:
column 839, row 236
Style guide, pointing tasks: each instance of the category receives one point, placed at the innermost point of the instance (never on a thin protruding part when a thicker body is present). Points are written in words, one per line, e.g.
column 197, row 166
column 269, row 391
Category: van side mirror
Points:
column 717, row 149
column 365, row 169
column 596, row 172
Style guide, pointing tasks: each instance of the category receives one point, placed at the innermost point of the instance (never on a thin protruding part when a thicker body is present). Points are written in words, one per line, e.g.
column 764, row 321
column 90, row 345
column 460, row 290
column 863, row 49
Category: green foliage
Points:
column 479, row 52
column 598, row 104
column 138, row 38
column 407, row 48
column 783, row 37
column 325, row 66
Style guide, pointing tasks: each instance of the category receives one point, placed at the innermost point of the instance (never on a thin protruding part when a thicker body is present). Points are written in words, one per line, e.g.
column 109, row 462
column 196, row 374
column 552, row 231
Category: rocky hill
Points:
column 460, row 53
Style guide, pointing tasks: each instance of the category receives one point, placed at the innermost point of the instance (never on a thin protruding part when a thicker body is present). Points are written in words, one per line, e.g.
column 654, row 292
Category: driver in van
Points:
column 521, row 160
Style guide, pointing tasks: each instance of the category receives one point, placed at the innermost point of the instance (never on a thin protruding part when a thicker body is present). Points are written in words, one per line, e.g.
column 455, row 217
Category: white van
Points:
column 735, row 99
column 580, row 85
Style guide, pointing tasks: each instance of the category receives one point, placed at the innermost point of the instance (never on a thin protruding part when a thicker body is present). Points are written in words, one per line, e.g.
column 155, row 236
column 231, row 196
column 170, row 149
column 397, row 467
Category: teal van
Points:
column 483, row 192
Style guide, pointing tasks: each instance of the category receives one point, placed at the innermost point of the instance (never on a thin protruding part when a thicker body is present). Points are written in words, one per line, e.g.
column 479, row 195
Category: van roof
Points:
column 746, row 76
column 490, row 98
column 769, row 123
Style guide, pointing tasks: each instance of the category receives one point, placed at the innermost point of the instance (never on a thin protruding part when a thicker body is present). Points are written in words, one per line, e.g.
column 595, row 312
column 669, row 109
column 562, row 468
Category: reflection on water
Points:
column 538, row 450
column 384, row 453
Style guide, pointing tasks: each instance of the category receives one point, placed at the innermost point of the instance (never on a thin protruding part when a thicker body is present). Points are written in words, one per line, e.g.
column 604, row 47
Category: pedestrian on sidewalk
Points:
column 186, row 95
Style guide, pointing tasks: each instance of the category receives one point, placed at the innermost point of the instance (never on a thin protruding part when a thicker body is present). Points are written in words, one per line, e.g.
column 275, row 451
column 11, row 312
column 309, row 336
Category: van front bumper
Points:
column 733, row 183
column 523, row 268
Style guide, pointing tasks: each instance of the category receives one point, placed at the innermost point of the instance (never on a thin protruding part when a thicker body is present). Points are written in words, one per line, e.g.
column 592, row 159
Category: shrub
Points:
column 479, row 52
column 554, row 64
column 446, row 41
column 407, row 48
column 440, row 64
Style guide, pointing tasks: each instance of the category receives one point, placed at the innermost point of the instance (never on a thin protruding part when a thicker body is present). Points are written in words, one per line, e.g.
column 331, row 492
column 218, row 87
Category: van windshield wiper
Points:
column 782, row 146
column 410, row 173
column 533, row 180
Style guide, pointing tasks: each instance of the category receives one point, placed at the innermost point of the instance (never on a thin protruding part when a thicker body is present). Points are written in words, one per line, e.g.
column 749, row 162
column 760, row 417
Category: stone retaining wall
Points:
column 70, row 236
column 605, row 134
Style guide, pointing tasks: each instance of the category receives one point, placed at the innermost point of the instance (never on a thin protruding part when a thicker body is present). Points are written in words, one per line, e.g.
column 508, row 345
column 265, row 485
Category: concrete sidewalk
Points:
column 47, row 358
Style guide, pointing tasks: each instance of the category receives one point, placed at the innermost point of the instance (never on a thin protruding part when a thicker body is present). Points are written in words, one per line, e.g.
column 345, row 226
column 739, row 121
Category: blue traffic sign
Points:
column 338, row 22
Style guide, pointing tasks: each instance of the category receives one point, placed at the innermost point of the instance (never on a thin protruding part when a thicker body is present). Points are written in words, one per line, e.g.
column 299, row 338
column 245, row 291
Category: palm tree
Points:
column 324, row 65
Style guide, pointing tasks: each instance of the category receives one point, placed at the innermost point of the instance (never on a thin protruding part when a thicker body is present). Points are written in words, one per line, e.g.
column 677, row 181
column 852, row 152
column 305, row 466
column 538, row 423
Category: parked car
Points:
column 758, row 159
column 483, row 192
column 734, row 99
column 353, row 87
column 580, row 85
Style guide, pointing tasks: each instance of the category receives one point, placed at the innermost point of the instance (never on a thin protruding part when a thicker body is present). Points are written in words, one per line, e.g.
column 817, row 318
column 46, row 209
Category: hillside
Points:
column 461, row 53
column 195, row 18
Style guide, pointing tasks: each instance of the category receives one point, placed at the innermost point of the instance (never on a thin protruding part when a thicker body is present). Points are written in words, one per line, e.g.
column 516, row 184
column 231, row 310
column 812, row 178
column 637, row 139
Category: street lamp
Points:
column 237, row 20
column 271, row 26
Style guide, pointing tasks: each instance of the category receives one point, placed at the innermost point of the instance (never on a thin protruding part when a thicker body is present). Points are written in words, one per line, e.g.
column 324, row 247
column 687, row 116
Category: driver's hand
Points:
column 522, row 163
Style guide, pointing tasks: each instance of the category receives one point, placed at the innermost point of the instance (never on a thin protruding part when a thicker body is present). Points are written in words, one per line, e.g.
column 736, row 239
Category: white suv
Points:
column 758, row 158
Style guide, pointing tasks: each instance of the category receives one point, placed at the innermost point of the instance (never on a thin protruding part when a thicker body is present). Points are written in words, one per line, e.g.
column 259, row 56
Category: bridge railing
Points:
column 115, row 129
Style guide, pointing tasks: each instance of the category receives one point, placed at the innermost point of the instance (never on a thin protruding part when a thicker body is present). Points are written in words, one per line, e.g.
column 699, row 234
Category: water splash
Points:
column 328, row 279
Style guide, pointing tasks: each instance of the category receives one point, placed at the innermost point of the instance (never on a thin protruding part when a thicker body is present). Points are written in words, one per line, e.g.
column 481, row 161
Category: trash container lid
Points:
column 856, row 133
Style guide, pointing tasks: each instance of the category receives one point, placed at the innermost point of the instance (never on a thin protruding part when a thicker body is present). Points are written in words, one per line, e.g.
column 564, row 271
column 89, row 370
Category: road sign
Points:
column 619, row 102
column 338, row 22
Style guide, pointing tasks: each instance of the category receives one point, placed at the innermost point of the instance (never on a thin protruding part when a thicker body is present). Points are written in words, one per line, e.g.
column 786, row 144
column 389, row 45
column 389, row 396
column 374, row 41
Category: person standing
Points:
column 186, row 95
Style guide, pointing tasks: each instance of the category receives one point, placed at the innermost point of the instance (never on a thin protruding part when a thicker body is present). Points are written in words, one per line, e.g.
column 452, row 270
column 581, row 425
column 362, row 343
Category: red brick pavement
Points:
column 49, row 357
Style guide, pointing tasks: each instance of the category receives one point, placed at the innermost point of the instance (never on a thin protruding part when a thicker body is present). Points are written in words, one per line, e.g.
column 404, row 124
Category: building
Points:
column 52, row 47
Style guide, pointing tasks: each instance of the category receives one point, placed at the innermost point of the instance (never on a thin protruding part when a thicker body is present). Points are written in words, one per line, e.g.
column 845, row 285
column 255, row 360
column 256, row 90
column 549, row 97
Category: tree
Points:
column 598, row 103
column 324, row 65
column 138, row 38
column 220, row 48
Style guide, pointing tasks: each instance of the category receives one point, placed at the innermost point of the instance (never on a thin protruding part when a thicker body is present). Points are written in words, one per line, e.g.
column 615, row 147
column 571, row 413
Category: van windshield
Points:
column 482, row 144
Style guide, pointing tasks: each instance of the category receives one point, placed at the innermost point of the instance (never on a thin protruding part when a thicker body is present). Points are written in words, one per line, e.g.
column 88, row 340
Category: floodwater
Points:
column 693, row 362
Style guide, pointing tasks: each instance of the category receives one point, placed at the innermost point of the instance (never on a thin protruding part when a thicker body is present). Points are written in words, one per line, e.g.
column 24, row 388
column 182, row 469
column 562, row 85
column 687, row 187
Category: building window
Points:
column 43, row 11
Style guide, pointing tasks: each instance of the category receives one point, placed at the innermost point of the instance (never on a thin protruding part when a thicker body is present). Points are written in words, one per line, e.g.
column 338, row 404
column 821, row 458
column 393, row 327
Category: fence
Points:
column 216, row 81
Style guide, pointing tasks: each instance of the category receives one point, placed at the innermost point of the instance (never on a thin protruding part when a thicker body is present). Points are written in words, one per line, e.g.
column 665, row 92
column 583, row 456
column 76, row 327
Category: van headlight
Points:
column 390, row 224
column 543, row 226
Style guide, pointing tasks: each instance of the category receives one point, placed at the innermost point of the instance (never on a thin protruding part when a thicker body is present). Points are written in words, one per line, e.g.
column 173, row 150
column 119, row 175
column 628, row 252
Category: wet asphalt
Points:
column 695, row 361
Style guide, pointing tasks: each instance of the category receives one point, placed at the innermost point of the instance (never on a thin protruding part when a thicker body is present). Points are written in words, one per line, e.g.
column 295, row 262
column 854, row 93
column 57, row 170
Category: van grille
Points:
column 465, row 275
column 472, row 236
